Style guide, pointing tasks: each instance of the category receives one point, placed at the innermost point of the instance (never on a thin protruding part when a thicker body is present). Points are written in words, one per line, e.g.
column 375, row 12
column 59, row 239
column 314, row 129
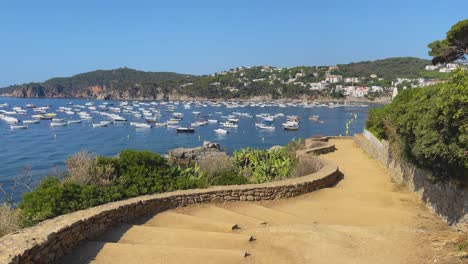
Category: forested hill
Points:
column 389, row 69
column 104, row 84
column 241, row 82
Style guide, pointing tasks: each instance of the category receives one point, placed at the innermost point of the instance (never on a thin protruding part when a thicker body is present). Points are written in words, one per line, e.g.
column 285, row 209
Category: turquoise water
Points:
column 43, row 148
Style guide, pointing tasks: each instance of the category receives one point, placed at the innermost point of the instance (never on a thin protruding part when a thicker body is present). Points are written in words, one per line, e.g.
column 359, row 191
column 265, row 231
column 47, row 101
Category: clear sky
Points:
column 40, row 39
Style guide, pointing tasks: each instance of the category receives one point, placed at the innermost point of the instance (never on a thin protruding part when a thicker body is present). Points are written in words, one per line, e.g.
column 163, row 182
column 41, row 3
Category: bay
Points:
column 41, row 148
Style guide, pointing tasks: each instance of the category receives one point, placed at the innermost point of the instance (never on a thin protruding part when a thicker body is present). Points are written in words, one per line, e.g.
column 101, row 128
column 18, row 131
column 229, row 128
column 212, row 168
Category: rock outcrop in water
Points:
column 188, row 155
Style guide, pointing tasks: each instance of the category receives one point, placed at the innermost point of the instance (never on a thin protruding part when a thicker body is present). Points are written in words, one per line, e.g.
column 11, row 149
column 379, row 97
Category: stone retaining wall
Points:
column 448, row 200
column 52, row 238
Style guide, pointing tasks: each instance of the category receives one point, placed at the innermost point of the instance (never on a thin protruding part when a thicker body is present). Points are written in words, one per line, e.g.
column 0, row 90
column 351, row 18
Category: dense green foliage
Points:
column 454, row 47
column 263, row 165
column 389, row 69
column 136, row 173
column 133, row 82
column 430, row 126
column 143, row 172
column 246, row 82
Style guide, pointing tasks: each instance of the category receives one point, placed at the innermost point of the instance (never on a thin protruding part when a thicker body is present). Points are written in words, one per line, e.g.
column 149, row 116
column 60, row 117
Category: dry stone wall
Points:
column 51, row 239
column 448, row 200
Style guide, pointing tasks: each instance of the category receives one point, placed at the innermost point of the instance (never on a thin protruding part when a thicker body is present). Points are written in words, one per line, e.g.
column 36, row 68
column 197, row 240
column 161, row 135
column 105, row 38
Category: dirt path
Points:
column 364, row 219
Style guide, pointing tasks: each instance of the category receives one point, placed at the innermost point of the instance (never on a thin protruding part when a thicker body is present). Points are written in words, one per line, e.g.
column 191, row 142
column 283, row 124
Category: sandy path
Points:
column 364, row 219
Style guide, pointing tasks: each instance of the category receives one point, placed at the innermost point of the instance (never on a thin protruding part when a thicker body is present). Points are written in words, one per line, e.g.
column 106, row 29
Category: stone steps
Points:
column 268, row 215
column 161, row 236
column 116, row 253
column 183, row 221
column 221, row 214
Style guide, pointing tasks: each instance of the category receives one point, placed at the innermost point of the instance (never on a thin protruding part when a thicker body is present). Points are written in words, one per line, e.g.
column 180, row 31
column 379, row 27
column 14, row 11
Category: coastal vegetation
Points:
column 238, row 83
column 453, row 47
column 388, row 69
column 92, row 180
column 429, row 127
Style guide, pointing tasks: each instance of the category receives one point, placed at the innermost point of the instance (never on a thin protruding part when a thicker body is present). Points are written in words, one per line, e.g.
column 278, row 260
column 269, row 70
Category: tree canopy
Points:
column 454, row 47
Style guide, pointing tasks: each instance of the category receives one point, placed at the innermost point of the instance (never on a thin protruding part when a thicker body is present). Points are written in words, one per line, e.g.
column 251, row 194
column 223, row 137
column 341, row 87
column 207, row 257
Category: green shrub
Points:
column 263, row 165
column 229, row 177
column 430, row 127
column 135, row 173
column 375, row 122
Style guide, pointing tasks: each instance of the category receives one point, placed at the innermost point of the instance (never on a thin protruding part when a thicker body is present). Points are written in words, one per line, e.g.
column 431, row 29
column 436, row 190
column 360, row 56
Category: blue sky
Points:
column 44, row 39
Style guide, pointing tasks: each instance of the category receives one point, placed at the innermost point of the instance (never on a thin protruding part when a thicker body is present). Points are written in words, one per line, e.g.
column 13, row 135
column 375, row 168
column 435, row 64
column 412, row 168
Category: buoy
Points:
column 55, row 135
column 263, row 139
column 128, row 136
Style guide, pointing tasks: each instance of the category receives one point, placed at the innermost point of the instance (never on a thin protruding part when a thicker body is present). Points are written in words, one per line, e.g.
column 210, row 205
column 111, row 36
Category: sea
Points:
column 41, row 149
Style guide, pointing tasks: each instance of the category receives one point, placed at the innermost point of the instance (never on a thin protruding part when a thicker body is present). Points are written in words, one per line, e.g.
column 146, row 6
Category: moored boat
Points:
column 34, row 121
column 185, row 130
column 221, row 131
column 18, row 127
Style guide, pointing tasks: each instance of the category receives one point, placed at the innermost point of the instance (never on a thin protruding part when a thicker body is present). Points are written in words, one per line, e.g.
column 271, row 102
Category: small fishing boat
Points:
column 73, row 122
column 291, row 127
column 51, row 115
column 43, row 117
column 263, row 126
column 18, row 127
column 229, row 125
column 58, row 124
column 173, row 121
column 151, row 120
column 9, row 119
column 107, row 122
column 314, row 118
column 160, row 124
column 142, row 125
column 35, row 121
column 99, row 125
column 221, row 131
column 185, row 130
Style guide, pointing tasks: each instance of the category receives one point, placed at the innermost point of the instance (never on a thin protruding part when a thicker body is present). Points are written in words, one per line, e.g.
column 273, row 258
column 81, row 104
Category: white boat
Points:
column 314, row 118
column 73, row 122
column 160, row 124
column 18, row 127
column 99, row 125
column 290, row 124
column 9, row 119
column 221, row 131
column 105, row 123
column 173, row 121
column 229, row 125
column 262, row 126
column 58, row 124
column 142, row 125
column 35, row 121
